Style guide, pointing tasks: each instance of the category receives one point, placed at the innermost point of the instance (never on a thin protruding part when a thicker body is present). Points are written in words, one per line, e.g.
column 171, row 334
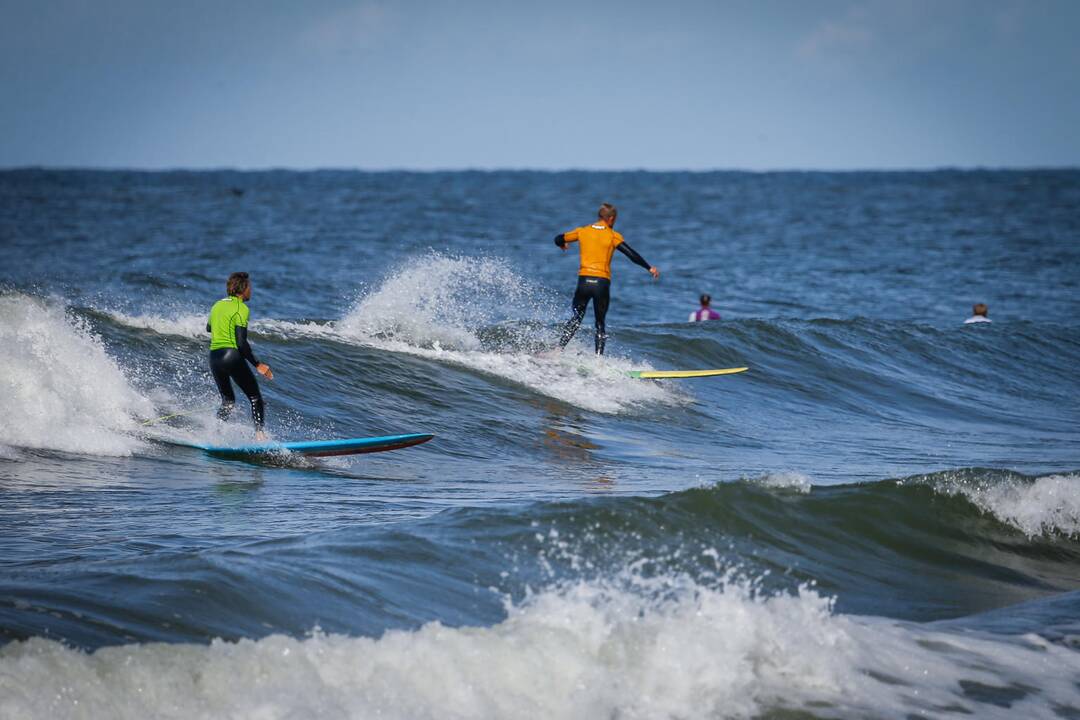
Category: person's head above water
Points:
column 980, row 309
column 705, row 299
column 607, row 214
column 238, row 285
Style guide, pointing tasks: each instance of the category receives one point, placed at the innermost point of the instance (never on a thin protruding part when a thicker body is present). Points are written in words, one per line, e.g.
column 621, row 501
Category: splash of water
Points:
column 1044, row 506
column 62, row 390
column 478, row 313
column 475, row 313
column 580, row 650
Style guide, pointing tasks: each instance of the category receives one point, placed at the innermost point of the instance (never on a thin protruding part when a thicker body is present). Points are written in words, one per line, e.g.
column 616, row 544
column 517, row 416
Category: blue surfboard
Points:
column 314, row 448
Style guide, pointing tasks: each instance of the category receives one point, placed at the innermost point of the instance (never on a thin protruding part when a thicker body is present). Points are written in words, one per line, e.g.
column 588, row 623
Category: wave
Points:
column 1042, row 506
column 925, row 547
column 473, row 313
column 911, row 549
column 477, row 313
column 64, row 390
column 183, row 325
column 668, row 647
column 767, row 595
column 894, row 370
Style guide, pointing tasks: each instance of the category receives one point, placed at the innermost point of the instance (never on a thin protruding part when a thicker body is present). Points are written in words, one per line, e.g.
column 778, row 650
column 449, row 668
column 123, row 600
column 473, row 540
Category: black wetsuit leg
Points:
column 578, row 305
column 228, row 364
column 598, row 290
column 599, row 307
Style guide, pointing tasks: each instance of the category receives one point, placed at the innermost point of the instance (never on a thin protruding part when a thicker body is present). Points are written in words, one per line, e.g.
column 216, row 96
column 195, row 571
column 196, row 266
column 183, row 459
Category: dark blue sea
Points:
column 879, row 519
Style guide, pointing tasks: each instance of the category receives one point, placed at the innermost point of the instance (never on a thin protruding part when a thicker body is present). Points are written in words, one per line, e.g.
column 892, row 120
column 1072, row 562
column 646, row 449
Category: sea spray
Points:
column 479, row 314
column 1046, row 505
column 471, row 312
column 62, row 390
column 575, row 650
column 435, row 300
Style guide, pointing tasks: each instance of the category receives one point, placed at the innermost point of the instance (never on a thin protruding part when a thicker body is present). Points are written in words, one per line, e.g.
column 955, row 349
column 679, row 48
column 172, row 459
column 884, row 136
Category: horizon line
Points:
column 526, row 169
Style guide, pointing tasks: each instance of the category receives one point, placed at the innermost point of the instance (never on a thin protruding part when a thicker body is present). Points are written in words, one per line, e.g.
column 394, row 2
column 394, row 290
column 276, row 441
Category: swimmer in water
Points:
column 229, row 349
column 979, row 312
column 704, row 312
column 597, row 244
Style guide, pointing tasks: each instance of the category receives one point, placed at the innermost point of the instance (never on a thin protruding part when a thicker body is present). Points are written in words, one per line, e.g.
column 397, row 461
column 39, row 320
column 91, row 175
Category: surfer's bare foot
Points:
column 261, row 436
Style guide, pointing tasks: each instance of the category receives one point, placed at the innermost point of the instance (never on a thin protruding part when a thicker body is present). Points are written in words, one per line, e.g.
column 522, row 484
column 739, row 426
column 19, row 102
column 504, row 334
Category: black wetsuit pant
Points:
column 227, row 364
column 598, row 290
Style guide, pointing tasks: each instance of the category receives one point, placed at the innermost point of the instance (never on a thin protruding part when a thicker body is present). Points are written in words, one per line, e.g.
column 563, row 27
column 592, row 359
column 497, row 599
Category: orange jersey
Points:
column 598, row 243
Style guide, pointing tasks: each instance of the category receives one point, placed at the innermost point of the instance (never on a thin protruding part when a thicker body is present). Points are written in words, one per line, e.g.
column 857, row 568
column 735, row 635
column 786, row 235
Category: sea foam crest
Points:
column 61, row 390
column 445, row 300
column 784, row 480
column 1045, row 505
column 478, row 313
column 582, row 650
column 187, row 325
column 473, row 312
column 193, row 326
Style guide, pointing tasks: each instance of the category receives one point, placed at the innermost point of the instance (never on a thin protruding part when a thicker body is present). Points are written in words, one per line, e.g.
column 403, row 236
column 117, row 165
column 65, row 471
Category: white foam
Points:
column 60, row 389
column 576, row 378
column 1048, row 505
column 191, row 325
column 437, row 306
column 444, row 299
column 185, row 325
column 788, row 480
column 584, row 650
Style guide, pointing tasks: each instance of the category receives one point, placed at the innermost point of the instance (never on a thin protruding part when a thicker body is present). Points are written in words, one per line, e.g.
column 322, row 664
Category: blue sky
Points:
column 473, row 84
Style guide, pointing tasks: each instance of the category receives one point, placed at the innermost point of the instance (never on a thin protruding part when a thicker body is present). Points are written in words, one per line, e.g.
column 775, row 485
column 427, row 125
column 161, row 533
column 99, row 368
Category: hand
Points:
column 655, row 272
column 265, row 371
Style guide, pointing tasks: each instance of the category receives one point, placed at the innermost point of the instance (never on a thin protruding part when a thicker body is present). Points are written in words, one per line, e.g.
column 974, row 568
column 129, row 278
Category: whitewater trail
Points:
column 473, row 313
column 577, row 650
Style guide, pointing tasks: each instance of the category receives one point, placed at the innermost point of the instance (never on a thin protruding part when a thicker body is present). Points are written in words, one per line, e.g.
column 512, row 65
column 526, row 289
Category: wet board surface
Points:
column 674, row 374
column 314, row 448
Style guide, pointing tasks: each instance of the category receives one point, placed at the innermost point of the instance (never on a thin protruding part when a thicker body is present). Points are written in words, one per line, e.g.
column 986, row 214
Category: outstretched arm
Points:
column 560, row 241
column 629, row 252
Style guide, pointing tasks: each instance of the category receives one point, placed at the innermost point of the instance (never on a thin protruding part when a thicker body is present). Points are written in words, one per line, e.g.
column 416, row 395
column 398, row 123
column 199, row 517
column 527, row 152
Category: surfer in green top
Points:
column 229, row 349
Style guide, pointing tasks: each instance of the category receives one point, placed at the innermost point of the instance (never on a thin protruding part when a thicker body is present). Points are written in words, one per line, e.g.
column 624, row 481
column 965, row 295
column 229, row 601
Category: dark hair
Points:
column 980, row 309
column 607, row 210
column 236, row 285
column 706, row 298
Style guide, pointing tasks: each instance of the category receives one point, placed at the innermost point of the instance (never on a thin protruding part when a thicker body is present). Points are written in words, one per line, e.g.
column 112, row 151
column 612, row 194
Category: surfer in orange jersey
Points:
column 598, row 242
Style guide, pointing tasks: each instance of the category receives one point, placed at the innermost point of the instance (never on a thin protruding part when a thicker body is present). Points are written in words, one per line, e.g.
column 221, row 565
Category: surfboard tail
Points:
column 404, row 443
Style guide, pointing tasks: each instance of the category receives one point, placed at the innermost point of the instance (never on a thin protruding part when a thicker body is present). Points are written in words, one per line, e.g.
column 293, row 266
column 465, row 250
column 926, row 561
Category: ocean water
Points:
column 881, row 518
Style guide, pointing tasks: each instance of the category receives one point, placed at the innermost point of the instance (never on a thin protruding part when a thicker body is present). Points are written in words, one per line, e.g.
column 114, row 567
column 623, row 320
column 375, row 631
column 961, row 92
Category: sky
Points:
column 665, row 84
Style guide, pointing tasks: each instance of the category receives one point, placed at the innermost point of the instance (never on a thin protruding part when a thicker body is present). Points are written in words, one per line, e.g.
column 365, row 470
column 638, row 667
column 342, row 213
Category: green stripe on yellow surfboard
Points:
column 673, row 374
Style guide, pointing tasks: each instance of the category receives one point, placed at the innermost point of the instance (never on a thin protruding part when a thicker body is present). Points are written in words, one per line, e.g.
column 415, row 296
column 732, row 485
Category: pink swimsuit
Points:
column 704, row 314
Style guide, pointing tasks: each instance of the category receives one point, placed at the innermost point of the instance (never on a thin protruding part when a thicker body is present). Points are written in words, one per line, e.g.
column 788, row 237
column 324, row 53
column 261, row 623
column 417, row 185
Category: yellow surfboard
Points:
column 663, row 374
